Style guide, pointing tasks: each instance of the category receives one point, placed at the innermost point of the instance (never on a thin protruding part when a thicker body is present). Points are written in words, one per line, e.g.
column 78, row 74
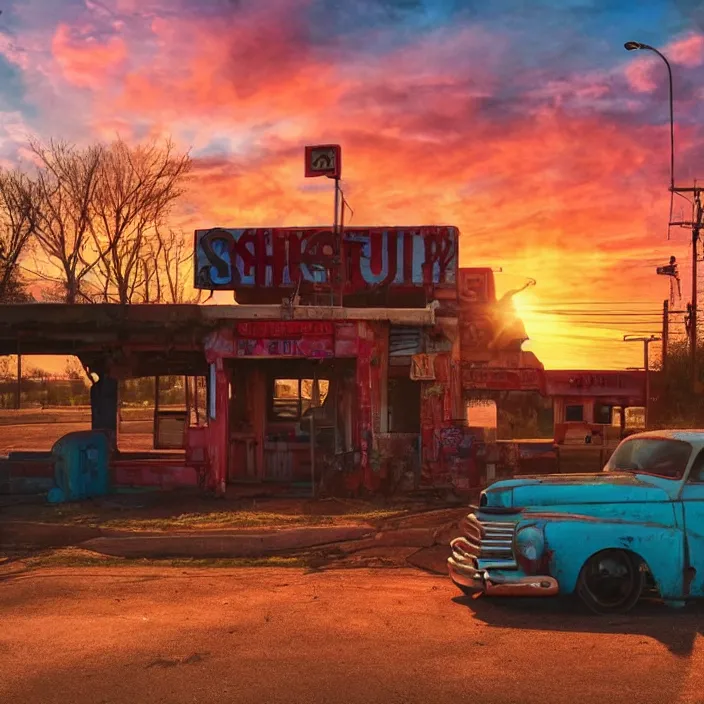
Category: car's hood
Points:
column 571, row 489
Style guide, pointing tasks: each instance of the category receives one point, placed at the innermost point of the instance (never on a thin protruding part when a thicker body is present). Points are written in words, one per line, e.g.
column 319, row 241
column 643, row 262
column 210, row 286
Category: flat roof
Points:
column 62, row 328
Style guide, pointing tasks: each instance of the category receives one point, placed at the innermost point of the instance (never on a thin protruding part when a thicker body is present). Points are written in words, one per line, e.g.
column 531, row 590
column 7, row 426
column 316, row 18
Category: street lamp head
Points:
column 632, row 46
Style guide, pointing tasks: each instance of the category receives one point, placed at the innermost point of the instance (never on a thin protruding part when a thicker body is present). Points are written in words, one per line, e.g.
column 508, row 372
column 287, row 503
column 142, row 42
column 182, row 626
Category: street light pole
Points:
column 696, row 223
column 646, row 365
column 632, row 46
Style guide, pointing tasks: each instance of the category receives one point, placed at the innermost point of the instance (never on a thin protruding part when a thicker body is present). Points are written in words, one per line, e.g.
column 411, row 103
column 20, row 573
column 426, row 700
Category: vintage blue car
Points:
column 604, row 537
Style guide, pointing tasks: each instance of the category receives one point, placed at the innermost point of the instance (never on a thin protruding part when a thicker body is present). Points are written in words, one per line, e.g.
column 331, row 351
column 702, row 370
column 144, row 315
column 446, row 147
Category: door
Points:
column 693, row 509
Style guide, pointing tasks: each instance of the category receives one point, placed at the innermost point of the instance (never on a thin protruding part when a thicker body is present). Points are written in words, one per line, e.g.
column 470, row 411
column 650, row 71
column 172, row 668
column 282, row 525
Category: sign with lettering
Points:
column 372, row 258
column 500, row 379
column 595, row 384
column 323, row 160
column 313, row 339
column 308, row 347
column 288, row 329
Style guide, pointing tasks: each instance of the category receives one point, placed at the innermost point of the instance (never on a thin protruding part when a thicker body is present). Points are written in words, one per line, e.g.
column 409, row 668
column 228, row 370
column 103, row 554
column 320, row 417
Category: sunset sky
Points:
column 523, row 122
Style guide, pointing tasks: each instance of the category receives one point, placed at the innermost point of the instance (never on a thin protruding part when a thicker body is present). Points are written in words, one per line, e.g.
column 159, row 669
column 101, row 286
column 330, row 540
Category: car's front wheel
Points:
column 611, row 582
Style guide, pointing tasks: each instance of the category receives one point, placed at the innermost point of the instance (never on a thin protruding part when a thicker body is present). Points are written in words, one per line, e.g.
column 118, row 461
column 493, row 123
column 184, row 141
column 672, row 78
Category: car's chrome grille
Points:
column 488, row 541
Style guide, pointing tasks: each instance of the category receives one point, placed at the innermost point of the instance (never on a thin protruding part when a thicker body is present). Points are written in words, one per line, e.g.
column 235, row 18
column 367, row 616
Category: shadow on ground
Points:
column 676, row 629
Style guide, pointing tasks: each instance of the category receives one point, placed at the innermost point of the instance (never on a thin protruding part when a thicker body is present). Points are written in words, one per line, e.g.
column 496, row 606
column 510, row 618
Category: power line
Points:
column 581, row 313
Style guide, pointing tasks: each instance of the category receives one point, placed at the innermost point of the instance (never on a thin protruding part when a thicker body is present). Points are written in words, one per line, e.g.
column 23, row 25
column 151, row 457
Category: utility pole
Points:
column 646, row 343
column 665, row 334
column 696, row 225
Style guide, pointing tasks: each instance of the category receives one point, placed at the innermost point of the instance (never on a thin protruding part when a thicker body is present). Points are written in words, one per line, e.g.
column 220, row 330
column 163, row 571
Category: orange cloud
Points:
column 554, row 213
column 253, row 65
column 554, row 175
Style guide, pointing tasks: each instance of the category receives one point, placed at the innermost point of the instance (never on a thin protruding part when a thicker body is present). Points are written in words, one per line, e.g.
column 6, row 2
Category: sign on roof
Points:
column 376, row 257
column 323, row 160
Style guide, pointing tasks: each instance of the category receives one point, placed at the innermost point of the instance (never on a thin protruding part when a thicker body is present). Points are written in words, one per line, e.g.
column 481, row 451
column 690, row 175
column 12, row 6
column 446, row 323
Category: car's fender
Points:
column 572, row 539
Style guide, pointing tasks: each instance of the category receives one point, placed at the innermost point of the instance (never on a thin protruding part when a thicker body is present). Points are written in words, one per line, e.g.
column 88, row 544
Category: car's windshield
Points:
column 660, row 456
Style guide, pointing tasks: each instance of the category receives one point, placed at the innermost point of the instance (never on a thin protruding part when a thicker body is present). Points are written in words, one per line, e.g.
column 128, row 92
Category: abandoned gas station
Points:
column 345, row 365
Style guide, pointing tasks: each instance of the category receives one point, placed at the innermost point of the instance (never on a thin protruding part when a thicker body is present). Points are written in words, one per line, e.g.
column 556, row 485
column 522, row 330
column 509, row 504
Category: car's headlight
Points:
column 530, row 546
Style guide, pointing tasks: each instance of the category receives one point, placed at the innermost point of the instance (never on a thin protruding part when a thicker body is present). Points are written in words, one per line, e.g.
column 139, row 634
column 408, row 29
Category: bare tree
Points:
column 7, row 368
column 137, row 188
column 66, row 186
column 18, row 220
column 169, row 269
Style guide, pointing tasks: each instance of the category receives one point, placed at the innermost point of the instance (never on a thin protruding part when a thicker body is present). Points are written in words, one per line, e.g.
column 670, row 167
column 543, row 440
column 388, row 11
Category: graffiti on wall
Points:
column 455, row 441
column 228, row 259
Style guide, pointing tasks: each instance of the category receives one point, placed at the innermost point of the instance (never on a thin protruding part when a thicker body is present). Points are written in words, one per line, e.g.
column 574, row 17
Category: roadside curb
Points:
column 204, row 545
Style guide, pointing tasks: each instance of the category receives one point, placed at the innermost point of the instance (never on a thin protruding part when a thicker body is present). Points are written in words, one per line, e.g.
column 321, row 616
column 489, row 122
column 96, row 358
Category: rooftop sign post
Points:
column 326, row 160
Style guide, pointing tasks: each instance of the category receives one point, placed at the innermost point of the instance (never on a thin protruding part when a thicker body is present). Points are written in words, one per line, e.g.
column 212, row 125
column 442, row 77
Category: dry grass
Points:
column 236, row 519
column 243, row 519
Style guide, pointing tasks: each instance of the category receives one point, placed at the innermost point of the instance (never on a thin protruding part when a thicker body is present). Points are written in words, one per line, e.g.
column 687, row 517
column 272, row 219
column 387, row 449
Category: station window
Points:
column 291, row 398
column 574, row 413
column 603, row 413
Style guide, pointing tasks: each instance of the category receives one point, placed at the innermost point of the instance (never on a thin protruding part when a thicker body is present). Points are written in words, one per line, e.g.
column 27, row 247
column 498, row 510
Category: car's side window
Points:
column 697, row 472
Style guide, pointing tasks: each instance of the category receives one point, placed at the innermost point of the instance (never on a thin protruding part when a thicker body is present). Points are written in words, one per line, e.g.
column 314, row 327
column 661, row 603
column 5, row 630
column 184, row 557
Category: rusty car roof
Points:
column 693, row 436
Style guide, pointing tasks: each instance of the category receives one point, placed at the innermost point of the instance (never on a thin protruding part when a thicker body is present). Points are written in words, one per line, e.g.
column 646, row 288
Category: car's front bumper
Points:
column 466, row 572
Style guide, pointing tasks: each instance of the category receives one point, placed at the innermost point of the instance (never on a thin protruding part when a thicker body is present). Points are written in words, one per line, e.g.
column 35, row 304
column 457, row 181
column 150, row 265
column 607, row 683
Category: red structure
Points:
column 590, row 406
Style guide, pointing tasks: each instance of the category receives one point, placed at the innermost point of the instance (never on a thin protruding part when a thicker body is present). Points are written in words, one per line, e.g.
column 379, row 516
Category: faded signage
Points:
column 476, row 287
column 285, row 329
column 313, row 339
column 601, row 383
column 308, row 347
column 273, row 338
column 229, row 259
column 423, row 367
column 502, row 379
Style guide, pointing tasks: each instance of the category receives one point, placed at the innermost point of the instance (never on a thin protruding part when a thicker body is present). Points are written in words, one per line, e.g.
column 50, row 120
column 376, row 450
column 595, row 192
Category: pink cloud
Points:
column 639, row 75
column 687, row 51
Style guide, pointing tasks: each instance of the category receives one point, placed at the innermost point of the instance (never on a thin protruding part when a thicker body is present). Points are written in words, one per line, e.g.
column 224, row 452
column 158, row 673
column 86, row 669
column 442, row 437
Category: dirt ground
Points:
column 38, row 430
column 273, row 635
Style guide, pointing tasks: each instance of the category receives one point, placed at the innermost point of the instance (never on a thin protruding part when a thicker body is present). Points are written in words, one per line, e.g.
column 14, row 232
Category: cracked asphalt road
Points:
column 109, row 635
